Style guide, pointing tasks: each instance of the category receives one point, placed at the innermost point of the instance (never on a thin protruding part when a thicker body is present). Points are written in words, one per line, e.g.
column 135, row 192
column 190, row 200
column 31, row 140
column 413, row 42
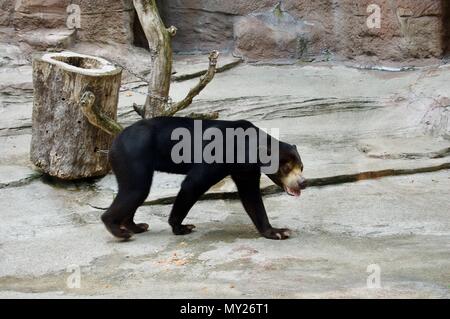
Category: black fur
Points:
column 146, row 147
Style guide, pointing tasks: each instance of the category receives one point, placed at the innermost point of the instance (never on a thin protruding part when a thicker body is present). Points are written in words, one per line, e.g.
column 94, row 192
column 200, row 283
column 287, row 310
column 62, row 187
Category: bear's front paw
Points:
column 182, row 229
column 277, row 233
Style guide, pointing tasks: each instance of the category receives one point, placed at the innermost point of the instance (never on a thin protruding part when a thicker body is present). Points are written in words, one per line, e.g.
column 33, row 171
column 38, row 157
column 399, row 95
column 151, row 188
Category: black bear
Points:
column 209, row 151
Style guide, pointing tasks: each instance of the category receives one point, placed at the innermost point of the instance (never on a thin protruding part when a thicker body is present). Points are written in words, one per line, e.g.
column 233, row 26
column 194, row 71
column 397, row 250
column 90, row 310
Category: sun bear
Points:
column 206, row 151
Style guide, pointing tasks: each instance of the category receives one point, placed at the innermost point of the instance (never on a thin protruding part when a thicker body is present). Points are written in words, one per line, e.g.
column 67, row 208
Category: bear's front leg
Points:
column 248, row 186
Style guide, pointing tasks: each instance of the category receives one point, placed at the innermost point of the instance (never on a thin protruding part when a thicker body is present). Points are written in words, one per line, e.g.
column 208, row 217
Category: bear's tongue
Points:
column 292, row 192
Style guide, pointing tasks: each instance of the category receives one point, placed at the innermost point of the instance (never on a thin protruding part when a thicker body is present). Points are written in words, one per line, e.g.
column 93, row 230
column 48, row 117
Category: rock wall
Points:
column 206, row 25
column 101, row 20
column 254, row 29
column 409, row 28
column 6, row 12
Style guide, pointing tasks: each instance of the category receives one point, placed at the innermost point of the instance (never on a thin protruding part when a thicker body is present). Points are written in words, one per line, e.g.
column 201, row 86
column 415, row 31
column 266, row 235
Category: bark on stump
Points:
column 64, row 144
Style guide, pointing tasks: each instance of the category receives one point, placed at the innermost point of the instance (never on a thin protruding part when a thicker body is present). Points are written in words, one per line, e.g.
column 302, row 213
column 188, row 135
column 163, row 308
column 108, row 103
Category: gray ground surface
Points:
column 344, row 121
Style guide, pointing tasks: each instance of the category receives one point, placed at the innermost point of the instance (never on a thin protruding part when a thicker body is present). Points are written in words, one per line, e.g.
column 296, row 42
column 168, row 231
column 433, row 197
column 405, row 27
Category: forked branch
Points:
column 204, row 80
column 96, row 117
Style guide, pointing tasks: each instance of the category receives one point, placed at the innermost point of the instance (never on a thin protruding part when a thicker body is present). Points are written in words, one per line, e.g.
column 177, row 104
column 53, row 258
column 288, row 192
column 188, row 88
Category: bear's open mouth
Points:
column 293, row 191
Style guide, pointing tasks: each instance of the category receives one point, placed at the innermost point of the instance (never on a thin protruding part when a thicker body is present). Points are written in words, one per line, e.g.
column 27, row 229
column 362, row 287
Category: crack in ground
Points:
column 287, row 106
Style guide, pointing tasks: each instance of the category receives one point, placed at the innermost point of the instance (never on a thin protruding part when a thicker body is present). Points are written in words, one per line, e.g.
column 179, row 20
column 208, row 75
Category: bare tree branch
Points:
column 159, row 40
column 204, row 116
column 204, row 80
column 189, row 76
column 96, row 117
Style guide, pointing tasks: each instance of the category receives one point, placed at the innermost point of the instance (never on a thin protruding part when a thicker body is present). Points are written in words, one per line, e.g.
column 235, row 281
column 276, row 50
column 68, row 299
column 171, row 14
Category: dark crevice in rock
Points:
column 314, row 182
column 190, row 10
column 321, row 108
column 16, row 128
column 13, row 131
column 446, row 26
column 272, row 108
column 139, row 38
column 229, row 14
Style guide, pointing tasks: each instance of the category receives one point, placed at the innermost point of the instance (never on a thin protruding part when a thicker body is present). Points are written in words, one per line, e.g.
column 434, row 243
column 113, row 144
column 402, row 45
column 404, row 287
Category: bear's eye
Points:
column 286, row 168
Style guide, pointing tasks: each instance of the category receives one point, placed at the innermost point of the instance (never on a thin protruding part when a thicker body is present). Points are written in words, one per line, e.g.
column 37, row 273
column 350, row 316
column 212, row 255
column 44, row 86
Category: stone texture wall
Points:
column 101, row 20
column 6, row 12
column 206, row 25
column 253, row 29
column 409, row 28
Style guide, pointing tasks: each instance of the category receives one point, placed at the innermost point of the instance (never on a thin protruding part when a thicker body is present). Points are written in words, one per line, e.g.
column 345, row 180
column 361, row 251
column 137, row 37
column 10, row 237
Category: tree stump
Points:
column 64, row 144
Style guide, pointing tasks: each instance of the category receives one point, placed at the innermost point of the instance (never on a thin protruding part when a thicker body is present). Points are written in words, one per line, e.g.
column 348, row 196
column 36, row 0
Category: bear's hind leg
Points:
column 134, row 186
column 135, row 228
column 118, row 219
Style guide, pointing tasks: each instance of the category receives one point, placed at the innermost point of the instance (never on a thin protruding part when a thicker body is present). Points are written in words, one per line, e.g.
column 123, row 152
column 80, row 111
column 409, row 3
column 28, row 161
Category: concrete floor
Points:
column 344, row 121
